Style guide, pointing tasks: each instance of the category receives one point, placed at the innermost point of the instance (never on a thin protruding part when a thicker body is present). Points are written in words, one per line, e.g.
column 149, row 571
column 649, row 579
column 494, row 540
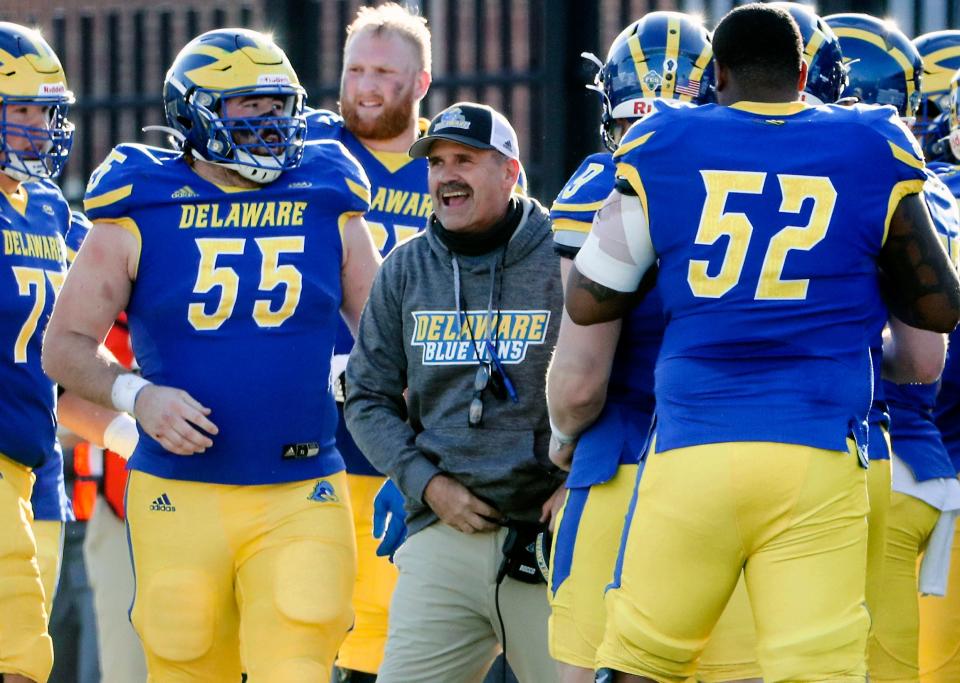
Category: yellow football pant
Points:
column 878, row 490
column 49, row 536
column 588, row 533
column 940, row 627
column 376, row 577
column 893, row 645
column 585, row 548
column 25, row 645
column 793, row 518
column 731, row 652
column 271, row 567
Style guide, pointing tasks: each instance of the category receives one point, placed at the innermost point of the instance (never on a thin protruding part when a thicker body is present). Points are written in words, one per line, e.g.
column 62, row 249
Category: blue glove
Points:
column 389, row 519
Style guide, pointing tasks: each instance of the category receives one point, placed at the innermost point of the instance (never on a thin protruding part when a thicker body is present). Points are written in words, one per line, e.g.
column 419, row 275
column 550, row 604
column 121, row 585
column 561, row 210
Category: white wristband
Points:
column 125, row 390
column 121, row 435
column 560, row 437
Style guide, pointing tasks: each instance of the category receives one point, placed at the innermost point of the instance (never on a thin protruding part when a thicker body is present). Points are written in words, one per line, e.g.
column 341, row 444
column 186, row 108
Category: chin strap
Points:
column 259, row 175
column 21, row 170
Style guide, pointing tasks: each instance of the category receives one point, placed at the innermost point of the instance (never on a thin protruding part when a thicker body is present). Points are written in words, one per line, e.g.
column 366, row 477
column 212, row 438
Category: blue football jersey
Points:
column 878, row 418
column 400, row 207
column 572, row 211
column 33, row 222
column 947, row 410
column 946, row 413
column 761, row 252
column 619, row 433
column 913, row 433
column 949, row 174
column 77, row 232
column 49, row 498
column 236, row 301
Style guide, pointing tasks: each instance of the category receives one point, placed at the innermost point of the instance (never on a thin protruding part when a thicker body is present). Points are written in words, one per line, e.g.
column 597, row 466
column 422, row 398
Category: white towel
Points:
column 935, row 566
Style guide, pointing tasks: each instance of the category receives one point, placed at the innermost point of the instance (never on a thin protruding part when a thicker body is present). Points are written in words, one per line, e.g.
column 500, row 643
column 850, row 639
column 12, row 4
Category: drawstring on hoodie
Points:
column 458, row 298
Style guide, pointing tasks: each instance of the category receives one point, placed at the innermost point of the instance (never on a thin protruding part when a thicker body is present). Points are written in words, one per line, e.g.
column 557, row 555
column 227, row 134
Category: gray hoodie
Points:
column 409, row 339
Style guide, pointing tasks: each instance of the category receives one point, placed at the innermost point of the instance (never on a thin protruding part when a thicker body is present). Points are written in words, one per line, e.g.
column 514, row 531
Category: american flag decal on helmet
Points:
column 690, row 88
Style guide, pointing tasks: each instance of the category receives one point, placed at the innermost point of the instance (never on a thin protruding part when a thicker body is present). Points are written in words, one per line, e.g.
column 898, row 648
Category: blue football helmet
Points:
column 31, row 74
column 883, row 66
column 227, row 63
column 940, row 52
column 664, row 55
column 826, row 74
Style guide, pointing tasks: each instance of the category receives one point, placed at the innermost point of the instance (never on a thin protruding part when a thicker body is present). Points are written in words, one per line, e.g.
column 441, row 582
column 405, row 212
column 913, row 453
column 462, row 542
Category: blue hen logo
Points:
column 324, row 492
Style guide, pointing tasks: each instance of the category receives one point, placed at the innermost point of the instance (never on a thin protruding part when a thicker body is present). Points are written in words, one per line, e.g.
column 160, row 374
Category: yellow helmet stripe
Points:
column 811, row 48
column 639, row 64
column 942, row 53
column 874, row 39
column 673, row 54
column 937, row 77
column 46, row 56
column 696, row 73
column 211, row 51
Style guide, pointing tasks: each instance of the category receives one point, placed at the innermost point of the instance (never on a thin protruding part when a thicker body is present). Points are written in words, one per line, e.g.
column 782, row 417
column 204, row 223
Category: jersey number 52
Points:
column 716, row 222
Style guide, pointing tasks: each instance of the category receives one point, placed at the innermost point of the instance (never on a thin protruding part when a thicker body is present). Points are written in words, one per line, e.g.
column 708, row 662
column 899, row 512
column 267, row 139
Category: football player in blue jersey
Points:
column 386, row 73
column 940, row 616
column 763, row 382
column 600, row 385
column 730, row 653
column 35, row 140
column 233, row 256
column 886, row 68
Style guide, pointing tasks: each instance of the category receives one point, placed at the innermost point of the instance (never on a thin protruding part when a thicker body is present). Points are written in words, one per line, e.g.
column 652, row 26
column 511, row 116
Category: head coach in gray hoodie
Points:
column 463, row 318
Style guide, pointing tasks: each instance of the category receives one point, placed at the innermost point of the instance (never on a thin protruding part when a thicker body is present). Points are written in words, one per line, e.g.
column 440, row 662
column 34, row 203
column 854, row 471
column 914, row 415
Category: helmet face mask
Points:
column 196, row 94
column 31, row 76
column 34, row 151
column 665, row 55
column 259, row 148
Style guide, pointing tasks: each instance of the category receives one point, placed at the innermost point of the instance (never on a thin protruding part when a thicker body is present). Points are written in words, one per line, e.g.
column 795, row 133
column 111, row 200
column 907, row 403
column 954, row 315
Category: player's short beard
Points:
column 395, row 119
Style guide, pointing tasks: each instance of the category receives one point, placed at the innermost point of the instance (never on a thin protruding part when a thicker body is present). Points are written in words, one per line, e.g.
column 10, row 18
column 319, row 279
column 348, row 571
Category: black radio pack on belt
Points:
column 526, row 552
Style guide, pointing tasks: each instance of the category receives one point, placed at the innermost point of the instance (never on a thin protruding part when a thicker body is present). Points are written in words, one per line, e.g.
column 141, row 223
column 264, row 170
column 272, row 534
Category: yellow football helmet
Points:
column 229, row 63
column 31, row 75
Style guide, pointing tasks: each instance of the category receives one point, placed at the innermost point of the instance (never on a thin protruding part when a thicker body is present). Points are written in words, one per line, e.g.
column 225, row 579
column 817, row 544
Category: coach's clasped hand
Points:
column 457, row 507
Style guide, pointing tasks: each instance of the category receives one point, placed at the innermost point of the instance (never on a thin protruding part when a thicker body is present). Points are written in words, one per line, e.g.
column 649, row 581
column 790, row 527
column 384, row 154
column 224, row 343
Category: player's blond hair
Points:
column 393, row 18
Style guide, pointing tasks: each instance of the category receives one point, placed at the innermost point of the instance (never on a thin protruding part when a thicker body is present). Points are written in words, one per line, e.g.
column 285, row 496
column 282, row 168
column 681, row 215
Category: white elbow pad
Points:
column 618, row 250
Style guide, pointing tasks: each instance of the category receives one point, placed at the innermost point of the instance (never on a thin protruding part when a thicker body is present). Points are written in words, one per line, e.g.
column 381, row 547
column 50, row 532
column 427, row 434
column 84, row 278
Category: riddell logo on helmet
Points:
column 642, row 108
column 52, row 89
column 273, row 79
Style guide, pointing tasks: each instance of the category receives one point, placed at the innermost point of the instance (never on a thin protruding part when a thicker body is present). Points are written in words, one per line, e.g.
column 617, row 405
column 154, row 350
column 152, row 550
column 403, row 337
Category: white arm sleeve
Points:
column 618, row 250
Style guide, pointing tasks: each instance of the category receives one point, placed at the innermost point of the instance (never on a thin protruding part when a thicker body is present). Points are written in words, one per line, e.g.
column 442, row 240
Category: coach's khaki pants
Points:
column 443, row 618
column 110, row 573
